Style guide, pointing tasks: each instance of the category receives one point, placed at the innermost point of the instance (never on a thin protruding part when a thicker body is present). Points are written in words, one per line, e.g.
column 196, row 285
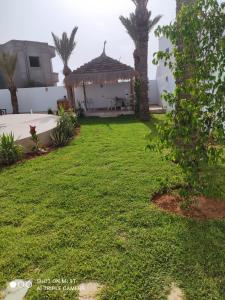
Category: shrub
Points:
column 50, row 112
column 74, row 119
column 194, row 130
column 9, row 151
column 35, row 139
column 59, row 137
column 65, row 128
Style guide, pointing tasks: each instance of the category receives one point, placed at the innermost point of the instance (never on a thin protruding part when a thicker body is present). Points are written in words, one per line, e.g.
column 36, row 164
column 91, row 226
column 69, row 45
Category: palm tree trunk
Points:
column 70, row 96
column 142, row 68
column 136, row 59
column 69, row 89
column 14, row 100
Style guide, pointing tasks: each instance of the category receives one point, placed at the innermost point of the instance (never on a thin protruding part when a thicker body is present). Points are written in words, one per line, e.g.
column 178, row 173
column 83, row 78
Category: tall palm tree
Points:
column 64, row 47
column 8, row 66
column 139, row 25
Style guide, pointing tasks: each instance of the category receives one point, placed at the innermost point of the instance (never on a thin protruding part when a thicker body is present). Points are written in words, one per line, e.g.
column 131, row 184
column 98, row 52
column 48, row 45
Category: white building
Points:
column 164, row 77
column 34, row 64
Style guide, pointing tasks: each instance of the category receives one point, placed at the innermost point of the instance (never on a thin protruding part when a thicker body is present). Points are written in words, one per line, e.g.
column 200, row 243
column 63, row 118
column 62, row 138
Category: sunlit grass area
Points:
column 83, row 213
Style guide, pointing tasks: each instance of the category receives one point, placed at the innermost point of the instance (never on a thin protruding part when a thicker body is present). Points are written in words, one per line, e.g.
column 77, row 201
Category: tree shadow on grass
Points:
column 122, row 120
column 214, row 177
column 108, row 121
column 201, row 266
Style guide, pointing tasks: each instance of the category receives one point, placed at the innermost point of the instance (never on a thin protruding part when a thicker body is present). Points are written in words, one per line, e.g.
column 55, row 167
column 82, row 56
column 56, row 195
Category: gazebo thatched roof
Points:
column 100, row 70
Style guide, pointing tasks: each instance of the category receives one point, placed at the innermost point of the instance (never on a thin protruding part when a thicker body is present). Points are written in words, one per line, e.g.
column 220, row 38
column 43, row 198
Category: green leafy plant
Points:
column 9, row 152
column 35, row 139
column 65, row 128
column 194, row 129
column 59, row 137
column 50, row 111
column 74, row 120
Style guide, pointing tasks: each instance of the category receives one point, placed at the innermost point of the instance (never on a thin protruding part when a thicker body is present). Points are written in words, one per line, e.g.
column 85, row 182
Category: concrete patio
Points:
column 19, row 126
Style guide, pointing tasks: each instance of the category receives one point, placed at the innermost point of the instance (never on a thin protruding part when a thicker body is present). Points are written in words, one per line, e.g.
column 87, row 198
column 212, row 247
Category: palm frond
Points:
column 8, row 65
column 65, row 45
column 131, row 26
column 140, row 2
column 153, row 22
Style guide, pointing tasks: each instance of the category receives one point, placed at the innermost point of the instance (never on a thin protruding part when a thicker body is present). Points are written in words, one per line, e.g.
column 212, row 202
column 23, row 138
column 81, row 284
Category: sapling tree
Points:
column 194, row 129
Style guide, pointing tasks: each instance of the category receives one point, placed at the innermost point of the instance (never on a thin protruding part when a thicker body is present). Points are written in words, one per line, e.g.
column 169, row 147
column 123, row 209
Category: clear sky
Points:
column 98, row 20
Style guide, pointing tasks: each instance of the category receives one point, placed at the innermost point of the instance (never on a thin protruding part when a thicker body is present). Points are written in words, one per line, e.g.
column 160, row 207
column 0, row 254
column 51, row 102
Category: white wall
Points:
column 100, row 97
column 164, row 77
column 153, row 93
column 41, row 99
column 37, row 99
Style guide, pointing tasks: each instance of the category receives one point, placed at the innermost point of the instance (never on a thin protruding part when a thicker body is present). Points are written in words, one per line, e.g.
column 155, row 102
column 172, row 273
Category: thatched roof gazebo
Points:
column 100, row 70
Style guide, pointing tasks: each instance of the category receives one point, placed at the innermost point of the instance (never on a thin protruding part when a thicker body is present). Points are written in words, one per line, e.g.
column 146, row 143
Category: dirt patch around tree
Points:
column 200, row 207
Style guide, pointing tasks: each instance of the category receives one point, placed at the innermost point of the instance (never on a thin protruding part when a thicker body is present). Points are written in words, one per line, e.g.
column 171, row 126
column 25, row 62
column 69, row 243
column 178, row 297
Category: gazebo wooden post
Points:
column 85, row 96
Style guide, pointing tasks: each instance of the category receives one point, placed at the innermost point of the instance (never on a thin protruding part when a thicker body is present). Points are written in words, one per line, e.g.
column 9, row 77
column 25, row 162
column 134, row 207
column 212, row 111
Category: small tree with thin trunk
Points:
column 181, row 4
column 64, row 47
column 8, row 66
column 138, row 26
column 195, row 132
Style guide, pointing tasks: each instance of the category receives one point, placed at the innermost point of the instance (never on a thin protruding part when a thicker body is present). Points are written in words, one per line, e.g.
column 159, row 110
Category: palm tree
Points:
column 8, row 66
column 138, row 26
column 64, row 47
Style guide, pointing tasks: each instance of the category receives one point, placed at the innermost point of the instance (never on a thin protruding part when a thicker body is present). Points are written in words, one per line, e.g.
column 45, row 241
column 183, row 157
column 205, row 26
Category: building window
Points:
column 167, row 50
column 34, row 61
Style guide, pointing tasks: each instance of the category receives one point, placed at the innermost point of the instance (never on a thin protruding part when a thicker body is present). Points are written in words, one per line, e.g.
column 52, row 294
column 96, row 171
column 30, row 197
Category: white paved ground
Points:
column 19, row 125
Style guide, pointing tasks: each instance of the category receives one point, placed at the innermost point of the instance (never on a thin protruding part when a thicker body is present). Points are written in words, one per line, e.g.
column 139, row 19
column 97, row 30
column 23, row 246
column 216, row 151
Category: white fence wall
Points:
column 101, row 96
column 41, row 99
column 5, row 100
column 153, row 93
column 37, row 99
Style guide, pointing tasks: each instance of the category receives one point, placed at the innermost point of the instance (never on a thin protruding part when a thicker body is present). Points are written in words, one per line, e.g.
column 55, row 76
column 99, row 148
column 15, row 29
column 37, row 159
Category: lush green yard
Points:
column 84, row 213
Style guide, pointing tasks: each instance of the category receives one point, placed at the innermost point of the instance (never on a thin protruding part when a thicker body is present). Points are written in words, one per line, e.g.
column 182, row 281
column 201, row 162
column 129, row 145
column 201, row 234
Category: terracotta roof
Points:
column 100, row 70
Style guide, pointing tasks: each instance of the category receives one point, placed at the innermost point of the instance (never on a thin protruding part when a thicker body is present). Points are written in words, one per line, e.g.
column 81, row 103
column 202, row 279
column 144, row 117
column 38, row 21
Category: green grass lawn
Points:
column 84, row 213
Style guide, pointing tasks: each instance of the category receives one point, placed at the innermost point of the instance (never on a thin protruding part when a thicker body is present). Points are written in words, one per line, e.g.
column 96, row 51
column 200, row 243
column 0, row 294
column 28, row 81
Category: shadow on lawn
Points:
column 108, row 121
column 152, row 124
column 202, row 257
column 215, row 178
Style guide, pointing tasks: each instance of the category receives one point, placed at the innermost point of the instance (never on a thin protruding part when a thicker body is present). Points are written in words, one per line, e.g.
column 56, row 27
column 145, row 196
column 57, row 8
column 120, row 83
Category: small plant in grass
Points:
column 35, row 139
column 65, row 128
column 194, row 129
column 50, row 111
column 10, row 153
